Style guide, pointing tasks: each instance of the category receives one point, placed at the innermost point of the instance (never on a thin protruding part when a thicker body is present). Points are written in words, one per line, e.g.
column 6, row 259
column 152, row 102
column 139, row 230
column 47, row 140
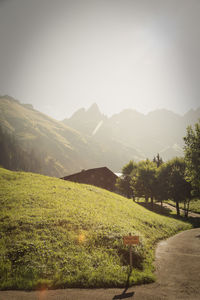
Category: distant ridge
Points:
column 66, row 149
column 89, row 139
column 160, row 130
column 84, row 120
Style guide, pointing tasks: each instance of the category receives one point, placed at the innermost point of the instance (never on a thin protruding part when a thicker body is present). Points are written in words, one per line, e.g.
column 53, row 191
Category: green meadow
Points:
column 58, row 234
column 194, row 205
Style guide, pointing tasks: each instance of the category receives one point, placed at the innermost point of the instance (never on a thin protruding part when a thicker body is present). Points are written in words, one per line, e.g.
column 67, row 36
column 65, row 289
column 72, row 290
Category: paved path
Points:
column 171, row 207
column 177, row 270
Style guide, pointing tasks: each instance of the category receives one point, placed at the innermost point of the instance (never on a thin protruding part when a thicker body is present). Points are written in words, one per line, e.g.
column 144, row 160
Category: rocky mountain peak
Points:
column 93, row 110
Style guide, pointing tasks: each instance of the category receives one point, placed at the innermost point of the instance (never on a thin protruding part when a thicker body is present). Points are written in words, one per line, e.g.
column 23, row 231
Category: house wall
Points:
column 101, row 177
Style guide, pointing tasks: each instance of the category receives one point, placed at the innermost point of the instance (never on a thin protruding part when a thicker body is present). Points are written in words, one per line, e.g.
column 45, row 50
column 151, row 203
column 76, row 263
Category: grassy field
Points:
column 57, row 234
column 194, row 205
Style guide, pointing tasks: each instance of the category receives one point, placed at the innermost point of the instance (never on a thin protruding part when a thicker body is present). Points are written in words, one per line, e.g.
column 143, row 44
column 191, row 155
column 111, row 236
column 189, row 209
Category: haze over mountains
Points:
column 90, row 139
column 159, row 131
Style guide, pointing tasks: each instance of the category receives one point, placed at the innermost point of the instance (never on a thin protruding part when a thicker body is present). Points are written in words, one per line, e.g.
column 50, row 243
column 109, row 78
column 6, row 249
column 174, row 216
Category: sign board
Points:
column 131, row 240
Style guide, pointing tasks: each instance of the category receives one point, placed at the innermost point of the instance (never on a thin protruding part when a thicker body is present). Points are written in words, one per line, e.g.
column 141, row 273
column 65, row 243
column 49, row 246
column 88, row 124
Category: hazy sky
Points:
column 61, row 55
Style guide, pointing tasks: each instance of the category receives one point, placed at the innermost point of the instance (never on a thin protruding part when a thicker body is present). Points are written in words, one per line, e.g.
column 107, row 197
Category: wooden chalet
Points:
column 101, row 177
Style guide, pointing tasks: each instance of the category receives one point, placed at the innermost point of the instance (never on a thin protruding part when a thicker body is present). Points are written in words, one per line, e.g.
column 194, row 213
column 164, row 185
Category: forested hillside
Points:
column 13, row 157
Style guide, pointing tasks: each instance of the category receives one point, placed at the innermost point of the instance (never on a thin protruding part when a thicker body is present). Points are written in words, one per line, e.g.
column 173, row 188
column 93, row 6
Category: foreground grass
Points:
column 56, row 233
column 194, row 205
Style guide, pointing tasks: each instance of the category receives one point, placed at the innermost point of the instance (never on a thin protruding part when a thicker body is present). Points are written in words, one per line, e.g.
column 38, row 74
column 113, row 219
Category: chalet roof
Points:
column 87, row 172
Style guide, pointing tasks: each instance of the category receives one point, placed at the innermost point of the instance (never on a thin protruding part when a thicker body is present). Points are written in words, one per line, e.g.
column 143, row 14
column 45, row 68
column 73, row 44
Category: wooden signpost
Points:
column 131, row 240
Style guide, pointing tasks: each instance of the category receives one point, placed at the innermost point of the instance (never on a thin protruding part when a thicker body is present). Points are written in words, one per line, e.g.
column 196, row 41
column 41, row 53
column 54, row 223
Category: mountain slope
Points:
column 145, row 135
column 101, row 131
column 65, row 149
column 89, row 119
column 89, row 139
column 60, row 234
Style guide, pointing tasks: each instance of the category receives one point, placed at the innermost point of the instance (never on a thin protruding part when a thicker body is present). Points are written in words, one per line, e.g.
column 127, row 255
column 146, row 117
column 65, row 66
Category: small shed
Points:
column 101, row 177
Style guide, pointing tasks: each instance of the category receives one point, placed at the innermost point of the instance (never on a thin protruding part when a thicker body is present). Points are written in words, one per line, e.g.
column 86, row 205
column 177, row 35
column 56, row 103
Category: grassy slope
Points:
column 61, row 234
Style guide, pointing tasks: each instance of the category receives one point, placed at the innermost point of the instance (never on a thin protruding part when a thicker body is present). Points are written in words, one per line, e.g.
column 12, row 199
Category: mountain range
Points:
column 65, row 149
column 89, row 139
column 160, row 131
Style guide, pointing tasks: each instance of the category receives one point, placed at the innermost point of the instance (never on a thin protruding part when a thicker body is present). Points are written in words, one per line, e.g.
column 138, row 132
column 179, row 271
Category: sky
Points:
column 61, row 55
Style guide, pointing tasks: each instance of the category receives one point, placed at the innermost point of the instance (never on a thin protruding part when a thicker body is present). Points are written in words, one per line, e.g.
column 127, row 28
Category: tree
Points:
column 144, row 180
column 128, row 168
column 123, row 184
column 192, row 157
column 158, row 160
column 172, row 183
column 162, row 182
column 176, row 181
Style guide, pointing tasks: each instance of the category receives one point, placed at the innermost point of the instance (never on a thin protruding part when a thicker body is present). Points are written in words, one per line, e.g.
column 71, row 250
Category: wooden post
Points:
column 131, row 257
column 131, row 240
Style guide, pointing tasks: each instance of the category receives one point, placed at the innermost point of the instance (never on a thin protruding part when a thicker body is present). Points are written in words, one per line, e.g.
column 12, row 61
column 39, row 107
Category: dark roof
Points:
column 87, row 172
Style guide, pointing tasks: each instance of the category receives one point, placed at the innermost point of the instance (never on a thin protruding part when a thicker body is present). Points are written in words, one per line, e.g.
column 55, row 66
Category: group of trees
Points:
column 192, row 157
column 177, row 179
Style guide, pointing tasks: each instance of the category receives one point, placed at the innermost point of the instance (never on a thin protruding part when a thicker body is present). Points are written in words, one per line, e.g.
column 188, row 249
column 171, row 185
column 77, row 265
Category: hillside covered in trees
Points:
column 14, row 157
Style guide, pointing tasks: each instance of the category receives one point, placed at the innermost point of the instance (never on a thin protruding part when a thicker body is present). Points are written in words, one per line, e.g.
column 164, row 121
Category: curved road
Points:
column 177, row 270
